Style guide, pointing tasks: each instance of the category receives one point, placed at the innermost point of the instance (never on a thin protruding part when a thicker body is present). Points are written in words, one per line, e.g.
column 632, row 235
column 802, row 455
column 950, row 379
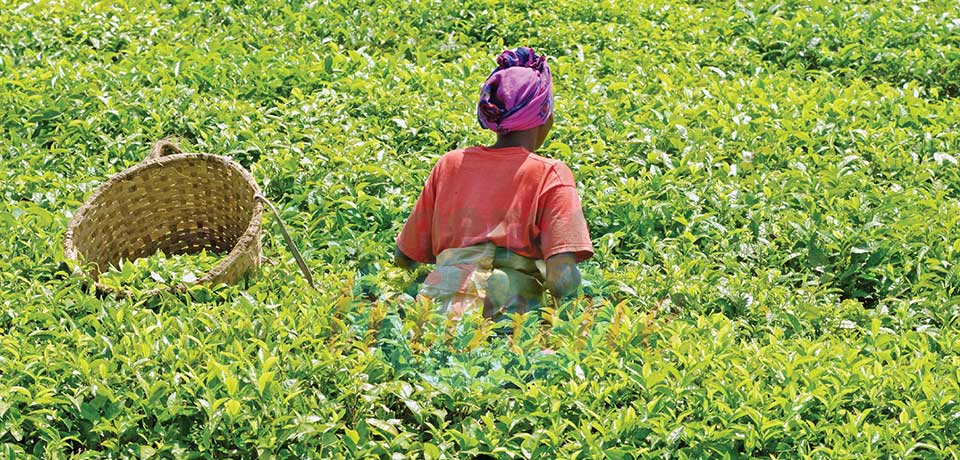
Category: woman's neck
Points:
column 516, row 139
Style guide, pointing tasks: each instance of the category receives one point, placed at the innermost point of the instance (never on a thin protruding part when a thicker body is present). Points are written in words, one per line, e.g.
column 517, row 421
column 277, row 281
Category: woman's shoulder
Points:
column 530, row 160
column 552, row 164
column 454, row 156
column 555, row 171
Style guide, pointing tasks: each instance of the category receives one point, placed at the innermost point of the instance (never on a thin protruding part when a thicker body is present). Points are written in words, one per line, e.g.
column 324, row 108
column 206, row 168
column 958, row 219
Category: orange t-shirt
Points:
column 509, row 197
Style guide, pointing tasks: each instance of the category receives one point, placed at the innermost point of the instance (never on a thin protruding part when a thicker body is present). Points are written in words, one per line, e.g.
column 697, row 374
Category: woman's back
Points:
column 509, row 197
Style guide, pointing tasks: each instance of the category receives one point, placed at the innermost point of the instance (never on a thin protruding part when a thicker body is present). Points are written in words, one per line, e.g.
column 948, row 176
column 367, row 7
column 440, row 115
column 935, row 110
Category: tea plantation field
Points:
column 772, row 188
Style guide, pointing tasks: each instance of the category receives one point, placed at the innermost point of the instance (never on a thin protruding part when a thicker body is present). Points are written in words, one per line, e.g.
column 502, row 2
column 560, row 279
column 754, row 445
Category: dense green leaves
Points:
column 772, row 188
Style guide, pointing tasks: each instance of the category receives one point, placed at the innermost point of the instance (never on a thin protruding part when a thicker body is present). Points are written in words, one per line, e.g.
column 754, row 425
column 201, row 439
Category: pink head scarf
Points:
column 518, row 95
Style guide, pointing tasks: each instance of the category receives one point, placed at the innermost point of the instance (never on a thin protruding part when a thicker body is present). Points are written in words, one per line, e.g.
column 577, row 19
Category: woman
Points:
column 501, row 223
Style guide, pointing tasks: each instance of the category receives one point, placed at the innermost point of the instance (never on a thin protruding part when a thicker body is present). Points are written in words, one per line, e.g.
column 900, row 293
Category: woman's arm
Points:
column 563, row 277
column 564, row 238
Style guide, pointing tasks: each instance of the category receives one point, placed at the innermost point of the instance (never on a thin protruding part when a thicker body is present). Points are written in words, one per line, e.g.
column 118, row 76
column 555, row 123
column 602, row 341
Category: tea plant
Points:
column 158, row 271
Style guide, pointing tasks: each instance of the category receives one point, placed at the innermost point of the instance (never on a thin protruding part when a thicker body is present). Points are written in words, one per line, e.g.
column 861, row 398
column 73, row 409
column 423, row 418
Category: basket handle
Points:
column 290, row 245
column 162, row 148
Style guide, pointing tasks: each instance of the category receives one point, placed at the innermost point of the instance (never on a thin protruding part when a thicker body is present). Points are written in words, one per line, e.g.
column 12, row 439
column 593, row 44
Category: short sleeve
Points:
column 416, row 238
column 562, row 225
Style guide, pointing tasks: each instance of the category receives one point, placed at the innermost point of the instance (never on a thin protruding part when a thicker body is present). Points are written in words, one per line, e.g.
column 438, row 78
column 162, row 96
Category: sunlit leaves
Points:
column 772, row 190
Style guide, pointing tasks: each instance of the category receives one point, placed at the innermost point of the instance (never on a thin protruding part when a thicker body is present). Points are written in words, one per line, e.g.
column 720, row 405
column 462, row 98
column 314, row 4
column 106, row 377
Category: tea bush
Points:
column 772, row 189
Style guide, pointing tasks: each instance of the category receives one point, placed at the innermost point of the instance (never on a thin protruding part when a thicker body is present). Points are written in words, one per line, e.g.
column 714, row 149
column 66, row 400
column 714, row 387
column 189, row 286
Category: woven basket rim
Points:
column 239, row 248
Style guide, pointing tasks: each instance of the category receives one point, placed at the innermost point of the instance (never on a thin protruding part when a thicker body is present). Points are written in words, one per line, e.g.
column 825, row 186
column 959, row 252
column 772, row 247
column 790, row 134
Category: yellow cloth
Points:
column 484, row 276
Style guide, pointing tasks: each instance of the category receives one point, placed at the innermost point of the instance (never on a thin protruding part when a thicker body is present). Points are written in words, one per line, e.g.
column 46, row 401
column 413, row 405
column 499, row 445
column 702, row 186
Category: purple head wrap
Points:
column 518, row 95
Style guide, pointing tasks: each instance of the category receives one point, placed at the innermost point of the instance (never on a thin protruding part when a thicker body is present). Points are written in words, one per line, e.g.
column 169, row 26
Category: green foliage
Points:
column 159, row 271
column 772, row 188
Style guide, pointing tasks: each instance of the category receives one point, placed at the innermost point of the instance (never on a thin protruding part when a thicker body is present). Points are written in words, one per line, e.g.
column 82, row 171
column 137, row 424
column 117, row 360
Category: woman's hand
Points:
column 563, row 277
column 402, row 261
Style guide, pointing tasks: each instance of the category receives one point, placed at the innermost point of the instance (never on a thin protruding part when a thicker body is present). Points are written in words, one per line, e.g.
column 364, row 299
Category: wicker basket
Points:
column 179, row 203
